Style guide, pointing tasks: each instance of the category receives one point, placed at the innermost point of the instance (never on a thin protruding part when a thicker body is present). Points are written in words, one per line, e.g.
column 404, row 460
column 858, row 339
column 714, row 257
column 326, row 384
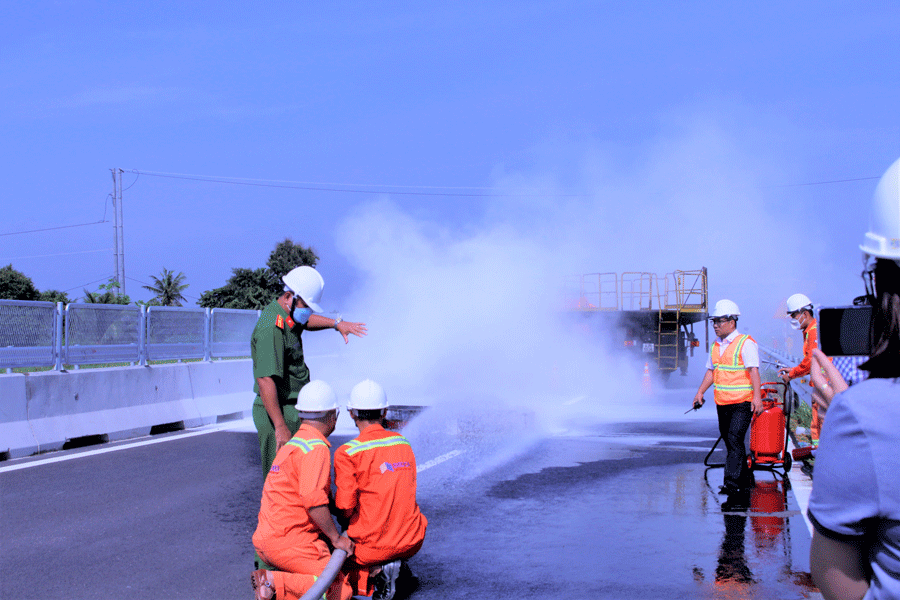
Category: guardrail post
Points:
column 207, row 337
column 142, row 337
column 58, row 337
column 68, row 325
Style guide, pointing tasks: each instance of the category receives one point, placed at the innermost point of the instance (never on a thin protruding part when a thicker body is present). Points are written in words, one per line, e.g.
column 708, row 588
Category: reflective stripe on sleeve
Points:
column 352, row 448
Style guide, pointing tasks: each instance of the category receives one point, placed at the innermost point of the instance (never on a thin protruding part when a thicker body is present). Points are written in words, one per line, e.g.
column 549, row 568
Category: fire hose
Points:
column 324, row 581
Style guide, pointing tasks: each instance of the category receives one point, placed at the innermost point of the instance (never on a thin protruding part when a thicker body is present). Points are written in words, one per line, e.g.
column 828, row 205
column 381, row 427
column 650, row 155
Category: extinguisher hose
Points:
column 324, row 581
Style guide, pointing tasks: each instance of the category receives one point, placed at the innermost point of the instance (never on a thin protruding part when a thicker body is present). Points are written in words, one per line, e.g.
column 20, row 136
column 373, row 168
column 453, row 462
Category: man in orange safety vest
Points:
column 733, row 370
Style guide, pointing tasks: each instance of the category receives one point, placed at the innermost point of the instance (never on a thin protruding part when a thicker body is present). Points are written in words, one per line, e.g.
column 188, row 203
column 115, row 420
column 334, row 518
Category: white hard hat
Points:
column 883, row 238
column 306, row 283
column 725, row 308
column 367, row 395
column 798, row 302
column 316, row 398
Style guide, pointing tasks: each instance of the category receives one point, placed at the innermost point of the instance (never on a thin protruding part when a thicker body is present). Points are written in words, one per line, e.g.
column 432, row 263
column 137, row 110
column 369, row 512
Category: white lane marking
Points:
column 436, row 461
column 74, row 455
column 207, row 429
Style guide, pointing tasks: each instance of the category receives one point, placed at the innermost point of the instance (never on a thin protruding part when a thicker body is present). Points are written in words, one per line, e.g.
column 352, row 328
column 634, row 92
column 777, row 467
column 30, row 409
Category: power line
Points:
column 88, row 283
column 59, row 254
column 55, row 228
column 826, row 182
column 392, row 189
column 350, row 190
column 138, row 176
column 251, row 180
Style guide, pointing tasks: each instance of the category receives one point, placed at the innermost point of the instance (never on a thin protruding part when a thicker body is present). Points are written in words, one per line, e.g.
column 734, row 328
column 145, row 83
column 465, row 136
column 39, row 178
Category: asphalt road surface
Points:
column 597, row 504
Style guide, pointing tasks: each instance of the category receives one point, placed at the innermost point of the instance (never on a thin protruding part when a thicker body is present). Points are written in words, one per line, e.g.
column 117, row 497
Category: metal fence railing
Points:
column 44, row 334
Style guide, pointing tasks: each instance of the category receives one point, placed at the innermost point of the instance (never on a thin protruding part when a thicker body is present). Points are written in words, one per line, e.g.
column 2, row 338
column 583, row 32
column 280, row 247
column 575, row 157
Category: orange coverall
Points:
column 810, row 343
column 375, row 476
column 286, row 537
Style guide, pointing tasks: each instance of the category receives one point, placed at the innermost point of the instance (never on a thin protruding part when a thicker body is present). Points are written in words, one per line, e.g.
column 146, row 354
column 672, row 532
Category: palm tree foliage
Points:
column 107, row 294
column 168, row 288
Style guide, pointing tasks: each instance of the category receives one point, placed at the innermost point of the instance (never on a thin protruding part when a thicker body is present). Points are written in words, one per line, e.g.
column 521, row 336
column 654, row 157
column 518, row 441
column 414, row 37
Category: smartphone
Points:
column 844, row 330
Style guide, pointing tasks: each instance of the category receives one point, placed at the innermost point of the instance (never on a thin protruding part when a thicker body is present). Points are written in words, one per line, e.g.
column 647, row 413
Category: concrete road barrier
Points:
column 42, row 411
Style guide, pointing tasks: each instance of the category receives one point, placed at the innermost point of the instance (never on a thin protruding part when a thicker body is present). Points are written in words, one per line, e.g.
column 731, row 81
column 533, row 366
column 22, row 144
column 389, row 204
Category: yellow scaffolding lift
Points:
column 679, row 299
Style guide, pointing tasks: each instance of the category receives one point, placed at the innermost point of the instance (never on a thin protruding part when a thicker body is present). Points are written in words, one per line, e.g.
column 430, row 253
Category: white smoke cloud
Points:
column 465, row 315
column 472, row 317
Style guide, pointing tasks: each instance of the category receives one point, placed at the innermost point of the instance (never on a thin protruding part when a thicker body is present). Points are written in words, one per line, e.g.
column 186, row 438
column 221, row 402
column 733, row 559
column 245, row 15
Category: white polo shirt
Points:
column 749, row 353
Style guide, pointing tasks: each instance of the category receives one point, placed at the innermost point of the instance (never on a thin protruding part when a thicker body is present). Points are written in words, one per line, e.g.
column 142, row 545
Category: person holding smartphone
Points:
column 855, row 502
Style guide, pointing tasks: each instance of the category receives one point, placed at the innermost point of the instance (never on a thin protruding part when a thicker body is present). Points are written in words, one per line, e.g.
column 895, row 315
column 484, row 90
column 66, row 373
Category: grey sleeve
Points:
column 845, row 489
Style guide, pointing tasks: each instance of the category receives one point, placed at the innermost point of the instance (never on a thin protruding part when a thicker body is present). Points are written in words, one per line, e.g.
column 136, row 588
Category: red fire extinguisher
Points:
column 767, row 433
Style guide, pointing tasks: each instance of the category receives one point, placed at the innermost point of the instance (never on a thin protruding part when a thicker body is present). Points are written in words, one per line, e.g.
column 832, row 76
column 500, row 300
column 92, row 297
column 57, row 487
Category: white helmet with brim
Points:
column 308, row 284
column 316, row 399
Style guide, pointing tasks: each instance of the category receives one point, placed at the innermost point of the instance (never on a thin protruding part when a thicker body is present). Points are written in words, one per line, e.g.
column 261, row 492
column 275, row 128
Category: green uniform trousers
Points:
column 265, row 429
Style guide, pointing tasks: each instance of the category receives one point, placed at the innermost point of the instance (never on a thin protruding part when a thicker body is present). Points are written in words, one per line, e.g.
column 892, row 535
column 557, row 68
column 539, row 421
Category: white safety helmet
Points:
column 725, row 308
column 367, row 395
column 316, row 399
column 798, row 302
column 883, row 238
column 306, row 283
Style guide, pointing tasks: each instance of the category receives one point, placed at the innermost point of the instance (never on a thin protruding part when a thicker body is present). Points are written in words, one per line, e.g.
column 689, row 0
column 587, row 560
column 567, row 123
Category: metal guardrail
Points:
column 800, row 386
column 44, row 334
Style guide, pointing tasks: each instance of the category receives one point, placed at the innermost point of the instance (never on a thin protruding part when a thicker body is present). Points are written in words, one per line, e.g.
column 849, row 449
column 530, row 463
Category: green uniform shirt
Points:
column 277, row 352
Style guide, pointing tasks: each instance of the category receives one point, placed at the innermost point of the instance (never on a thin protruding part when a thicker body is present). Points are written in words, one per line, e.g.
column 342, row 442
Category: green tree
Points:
column 287, row 255
column 255, row 288
column 246, row 288
column 15, row 285
column 108, row 293
column 167, row 288
column 54, row 296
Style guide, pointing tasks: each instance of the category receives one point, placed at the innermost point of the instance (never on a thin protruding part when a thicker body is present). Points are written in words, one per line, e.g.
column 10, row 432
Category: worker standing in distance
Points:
column 800, row 310
column 295, row 526
column 733, row 370
column 375, row 475
column 279, row 368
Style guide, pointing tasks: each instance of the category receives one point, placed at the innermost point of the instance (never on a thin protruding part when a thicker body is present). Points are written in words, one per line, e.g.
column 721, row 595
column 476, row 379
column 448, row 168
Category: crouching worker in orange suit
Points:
column 295, row 526
column 375, row 475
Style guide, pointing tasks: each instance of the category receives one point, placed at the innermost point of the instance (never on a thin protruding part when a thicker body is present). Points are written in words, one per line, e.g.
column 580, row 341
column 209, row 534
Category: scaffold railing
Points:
column 684, row 291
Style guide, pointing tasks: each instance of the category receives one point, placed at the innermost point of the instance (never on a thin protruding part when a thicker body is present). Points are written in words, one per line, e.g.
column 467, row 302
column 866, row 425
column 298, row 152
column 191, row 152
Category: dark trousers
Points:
column 734, row 420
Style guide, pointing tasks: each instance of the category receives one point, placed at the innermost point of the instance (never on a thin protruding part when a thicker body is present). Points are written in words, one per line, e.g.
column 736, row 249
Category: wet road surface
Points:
column 609, row 508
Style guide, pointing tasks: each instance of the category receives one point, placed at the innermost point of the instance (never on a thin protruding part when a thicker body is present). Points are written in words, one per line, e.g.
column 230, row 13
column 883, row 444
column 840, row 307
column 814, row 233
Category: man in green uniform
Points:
column 277, row 351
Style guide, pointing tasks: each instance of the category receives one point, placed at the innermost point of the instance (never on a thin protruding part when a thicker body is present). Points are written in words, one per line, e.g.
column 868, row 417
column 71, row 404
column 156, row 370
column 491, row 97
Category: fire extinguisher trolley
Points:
column 769, row 430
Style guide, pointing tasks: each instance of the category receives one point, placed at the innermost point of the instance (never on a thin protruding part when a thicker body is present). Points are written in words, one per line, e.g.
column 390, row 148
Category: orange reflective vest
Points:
column 730, row 378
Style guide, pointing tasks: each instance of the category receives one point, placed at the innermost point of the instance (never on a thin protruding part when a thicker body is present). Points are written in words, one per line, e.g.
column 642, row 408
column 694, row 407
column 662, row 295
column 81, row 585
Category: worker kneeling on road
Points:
column 295, row 525
column 375, row 475
column 733, row 368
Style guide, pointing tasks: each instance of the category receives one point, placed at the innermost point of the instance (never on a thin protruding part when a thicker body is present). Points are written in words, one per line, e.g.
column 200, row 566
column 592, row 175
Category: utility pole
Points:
column 118, row 230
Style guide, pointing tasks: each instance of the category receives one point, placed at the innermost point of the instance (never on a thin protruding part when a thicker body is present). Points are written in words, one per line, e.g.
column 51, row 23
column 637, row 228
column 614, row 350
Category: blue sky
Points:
column 639, row 136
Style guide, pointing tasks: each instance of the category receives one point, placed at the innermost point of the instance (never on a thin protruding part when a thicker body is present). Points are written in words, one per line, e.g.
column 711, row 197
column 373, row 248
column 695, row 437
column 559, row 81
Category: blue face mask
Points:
column 301, row 315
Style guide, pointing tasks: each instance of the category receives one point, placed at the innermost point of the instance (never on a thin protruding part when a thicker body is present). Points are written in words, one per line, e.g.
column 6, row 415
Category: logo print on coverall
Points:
column 386, row 466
